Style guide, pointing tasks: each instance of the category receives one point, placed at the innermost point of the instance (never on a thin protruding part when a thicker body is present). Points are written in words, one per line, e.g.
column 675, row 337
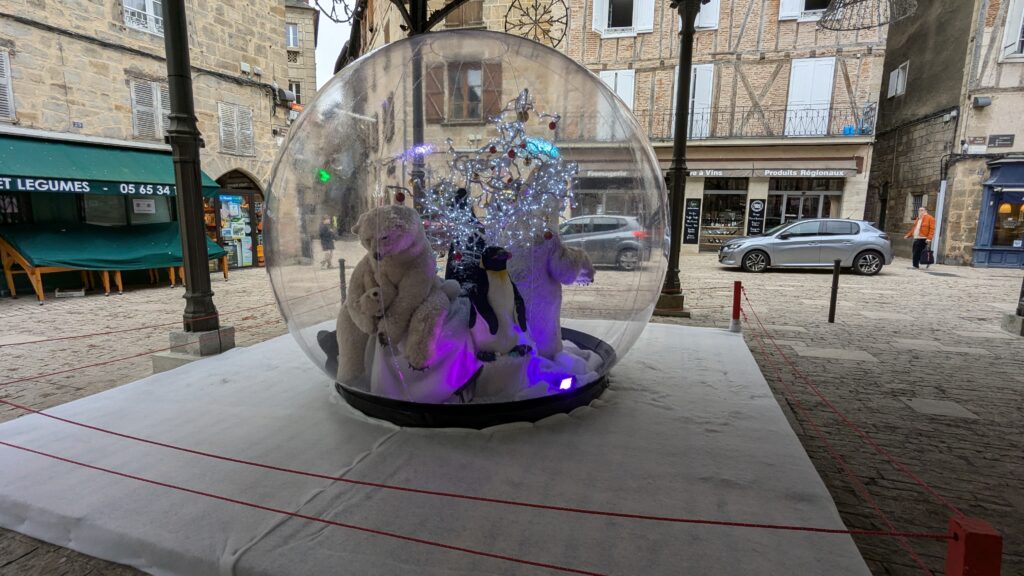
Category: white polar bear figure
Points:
column 398, row 271
column 539, row 269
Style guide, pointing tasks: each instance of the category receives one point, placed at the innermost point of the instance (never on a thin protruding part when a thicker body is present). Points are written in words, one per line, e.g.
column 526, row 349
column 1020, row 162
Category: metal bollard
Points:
column 734, row 323
column 835, row 291
column 341, row 272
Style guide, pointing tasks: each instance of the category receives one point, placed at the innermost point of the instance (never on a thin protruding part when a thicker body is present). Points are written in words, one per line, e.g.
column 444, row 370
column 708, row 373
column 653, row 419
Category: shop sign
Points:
column 691, row 221
column 1000, row 141
column 977, row 144
column 805, row 172
column 720, row 173
column 22, row 184
column 755, row 217
column 143, row 206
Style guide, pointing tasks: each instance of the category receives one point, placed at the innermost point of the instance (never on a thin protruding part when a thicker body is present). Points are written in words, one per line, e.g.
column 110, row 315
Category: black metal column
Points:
column 183, row 136
column 688, row 12
column 418, row 12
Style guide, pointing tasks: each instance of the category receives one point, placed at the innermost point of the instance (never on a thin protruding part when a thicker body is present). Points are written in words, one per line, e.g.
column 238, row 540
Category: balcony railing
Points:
column 762, row 122
column 144, row 21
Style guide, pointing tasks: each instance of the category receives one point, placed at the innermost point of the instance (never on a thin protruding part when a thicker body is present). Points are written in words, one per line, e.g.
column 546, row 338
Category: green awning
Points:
column 45, row 166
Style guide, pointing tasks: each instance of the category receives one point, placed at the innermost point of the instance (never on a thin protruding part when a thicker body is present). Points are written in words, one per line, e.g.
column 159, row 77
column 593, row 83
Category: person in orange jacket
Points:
column 922, row 233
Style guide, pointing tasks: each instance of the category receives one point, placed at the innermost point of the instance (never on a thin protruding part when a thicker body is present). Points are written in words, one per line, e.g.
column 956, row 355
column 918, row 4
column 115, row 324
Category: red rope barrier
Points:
column 325, row 521
column 379, row 485
column 863, row 435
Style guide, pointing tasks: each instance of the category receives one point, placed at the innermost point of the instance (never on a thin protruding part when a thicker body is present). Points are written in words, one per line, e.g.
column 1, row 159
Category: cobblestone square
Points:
column 912, row 356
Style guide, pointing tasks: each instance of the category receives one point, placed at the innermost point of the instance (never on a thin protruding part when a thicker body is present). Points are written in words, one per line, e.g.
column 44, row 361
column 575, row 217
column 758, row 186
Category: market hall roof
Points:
column 42, row 165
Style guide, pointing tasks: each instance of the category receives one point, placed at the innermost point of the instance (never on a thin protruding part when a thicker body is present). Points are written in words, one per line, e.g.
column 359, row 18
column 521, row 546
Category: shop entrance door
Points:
column 239, row 215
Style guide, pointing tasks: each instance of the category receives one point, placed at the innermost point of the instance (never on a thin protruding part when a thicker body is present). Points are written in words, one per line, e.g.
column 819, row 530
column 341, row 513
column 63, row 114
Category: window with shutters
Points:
column 462, row 92
column 616, row 18
column 1013, row 31
column 151, row 107
column 295, row 88
column 469, row 15
column 236, row 133
column 291, row 35
column 6, row 87
column 701, row 88
column 802, row 9
column 898, row 80
column 707, row 16
column 811, row 81
column 621, row 82
column 144, row 15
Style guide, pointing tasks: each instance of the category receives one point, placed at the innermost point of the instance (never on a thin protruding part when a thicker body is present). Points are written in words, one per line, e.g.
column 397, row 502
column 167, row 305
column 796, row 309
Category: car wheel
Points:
column 754, row 261
column 628, row 259
column 868, row 263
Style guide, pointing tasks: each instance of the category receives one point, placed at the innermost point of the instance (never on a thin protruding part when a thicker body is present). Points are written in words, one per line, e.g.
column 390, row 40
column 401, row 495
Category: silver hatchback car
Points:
column 811, row 243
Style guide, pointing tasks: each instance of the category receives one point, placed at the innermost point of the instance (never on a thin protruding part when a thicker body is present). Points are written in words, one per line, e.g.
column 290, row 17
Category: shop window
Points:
column 15, row 209
column 146, row 15
column 151, row 109
column 723, row 211
column 462, row 92
column 105, row 210
column 469, row 15
column 1013, row 32
column 802, row 9
column 800, row 198
column 54, row 208
column 291, row 35
column 614, row 18
column 6, row 86
column 236, row 133
column 150, row 210
column 1009, row 224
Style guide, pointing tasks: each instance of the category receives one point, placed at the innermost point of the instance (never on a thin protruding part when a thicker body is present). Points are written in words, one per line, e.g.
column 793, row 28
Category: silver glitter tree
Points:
column 864, row 14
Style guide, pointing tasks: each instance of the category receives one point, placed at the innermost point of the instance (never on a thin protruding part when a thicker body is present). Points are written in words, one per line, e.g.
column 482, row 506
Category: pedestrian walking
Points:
column 922, row 233
column 327, row 242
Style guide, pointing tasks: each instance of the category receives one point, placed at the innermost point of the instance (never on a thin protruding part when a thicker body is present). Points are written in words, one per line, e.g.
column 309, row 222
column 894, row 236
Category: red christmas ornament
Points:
column 552, row 125
column 493, row 149
column 511, row 153
column 399, row 197
column 548, row 235
column 457, row 256
column 522, row 144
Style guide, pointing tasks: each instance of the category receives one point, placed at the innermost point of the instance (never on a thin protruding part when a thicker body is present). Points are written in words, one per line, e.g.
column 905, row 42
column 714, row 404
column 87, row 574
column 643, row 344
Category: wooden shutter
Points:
column 492, row 89
column 701, row 88
column 643, row 15
column 228, row 128
column 600, row 16
column 6, row 86
column 143, row 109
column 707, row 18
column 165, row 107
column 790, row 9
column 246, row 140
column 433, row 84
column 1012, row 30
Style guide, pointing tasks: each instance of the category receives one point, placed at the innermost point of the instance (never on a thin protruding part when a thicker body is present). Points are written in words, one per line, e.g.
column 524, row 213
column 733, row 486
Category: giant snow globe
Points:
column 466, row 228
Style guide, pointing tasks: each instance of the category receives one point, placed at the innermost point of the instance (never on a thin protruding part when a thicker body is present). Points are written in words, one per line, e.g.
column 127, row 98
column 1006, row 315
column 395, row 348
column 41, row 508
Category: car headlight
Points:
column 731, row 247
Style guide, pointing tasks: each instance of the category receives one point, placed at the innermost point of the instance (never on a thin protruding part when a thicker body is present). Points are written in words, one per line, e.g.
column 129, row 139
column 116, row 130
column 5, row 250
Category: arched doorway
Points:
column 234, row 219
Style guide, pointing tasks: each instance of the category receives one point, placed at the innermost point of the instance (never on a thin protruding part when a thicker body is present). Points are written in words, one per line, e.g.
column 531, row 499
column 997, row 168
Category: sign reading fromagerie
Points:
column 23, row 184
column 805, row 172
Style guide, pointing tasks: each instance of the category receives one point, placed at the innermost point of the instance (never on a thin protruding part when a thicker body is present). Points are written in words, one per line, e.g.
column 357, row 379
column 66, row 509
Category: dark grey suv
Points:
column 811, row 243
column 609, row 240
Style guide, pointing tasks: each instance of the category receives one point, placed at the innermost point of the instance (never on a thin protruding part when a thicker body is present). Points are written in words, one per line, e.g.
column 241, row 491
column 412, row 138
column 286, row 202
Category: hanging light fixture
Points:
column 842, row 15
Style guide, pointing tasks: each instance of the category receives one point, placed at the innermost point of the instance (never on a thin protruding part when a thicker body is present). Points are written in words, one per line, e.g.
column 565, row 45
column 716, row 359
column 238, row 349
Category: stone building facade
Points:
column 948, row 121
column 95, row 73
column 782, row 112
column 301, row 30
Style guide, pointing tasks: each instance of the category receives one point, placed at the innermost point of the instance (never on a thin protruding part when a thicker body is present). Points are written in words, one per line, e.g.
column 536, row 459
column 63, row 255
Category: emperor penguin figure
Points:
column 496, row 302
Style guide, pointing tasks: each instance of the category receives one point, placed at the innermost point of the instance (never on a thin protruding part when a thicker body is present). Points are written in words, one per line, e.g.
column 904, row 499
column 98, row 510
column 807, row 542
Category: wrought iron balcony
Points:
column 142, row 20
column 761, row 122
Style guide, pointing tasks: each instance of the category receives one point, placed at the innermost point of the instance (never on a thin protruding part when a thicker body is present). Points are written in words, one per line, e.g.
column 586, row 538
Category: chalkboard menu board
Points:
column 691, row 221
column 755, row 217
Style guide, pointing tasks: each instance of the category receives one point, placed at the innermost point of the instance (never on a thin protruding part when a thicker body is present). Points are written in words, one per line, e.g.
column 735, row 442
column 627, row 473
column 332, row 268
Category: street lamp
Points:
column 671, row 300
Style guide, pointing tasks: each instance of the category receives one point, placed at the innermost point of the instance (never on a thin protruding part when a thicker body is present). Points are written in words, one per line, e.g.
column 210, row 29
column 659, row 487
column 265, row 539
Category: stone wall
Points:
column 303, row 70
column 71, row 62
column 963, row 208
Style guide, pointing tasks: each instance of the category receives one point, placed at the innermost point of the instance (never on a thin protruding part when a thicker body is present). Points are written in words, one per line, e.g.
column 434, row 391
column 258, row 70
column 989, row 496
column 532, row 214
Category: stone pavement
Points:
column 916, row 359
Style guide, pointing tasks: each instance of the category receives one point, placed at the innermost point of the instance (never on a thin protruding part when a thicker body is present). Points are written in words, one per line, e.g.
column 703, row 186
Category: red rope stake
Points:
column 316, row 519
column 975, row 550
column 382, row 486
column 734, row 323
column 863, row 435
column 840, row 462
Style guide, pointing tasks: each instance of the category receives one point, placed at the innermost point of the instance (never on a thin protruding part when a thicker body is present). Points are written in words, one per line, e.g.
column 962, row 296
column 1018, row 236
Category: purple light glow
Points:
column 566, row 384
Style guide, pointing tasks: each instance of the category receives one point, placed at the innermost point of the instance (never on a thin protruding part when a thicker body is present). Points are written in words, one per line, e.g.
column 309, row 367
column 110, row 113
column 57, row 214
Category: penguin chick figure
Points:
column 496, row 302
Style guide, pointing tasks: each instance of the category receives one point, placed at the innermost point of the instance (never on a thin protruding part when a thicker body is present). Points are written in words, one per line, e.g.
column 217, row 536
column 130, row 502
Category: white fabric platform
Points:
column 688, row 428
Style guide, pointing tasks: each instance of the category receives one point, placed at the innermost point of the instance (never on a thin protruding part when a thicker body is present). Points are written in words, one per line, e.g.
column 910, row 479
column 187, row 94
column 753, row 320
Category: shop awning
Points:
column 45, row 166
column 1007, row 174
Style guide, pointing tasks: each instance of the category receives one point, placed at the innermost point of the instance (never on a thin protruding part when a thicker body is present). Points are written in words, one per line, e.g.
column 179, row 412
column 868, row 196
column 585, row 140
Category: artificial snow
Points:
column 688, row 428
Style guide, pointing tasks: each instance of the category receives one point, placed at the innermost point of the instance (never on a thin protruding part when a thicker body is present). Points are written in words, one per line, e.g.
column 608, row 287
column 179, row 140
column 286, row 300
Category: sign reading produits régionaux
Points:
column 772, row 173
column 23, row 184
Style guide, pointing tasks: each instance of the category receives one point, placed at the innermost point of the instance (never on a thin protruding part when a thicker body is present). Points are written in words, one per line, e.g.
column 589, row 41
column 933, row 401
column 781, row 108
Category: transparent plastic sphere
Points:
column 498, row 215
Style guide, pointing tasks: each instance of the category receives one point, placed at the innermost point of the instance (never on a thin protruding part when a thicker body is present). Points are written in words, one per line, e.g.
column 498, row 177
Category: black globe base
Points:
column 487, row 414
